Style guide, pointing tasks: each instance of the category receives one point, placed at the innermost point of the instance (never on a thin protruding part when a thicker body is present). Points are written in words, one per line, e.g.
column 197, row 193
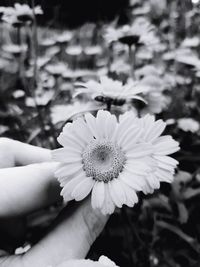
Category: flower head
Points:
column 140, row 32
column 102, row 262
column 188, row 125
column 65, row 37
column 111, row 90
column 20, row 13
column 113, row 159
column 56, row 69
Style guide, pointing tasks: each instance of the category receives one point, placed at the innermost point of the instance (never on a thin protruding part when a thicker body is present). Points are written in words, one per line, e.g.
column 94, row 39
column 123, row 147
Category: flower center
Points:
column 103, row 160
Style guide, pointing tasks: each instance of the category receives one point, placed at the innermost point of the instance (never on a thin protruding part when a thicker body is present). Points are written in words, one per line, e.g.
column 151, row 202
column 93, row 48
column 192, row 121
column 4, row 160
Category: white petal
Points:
column 66, row 170
column 131, row 196
column 83, row 189
column 116, row 192
column 101, row 119
column 105, row 261
column 108, row 205
column 124, row 123
column 165, row 176
column 155, row 131
column 69, row 187
column 134, row 181
column 153, row 181
column 98, row 195
column 110, row 127
column 139, row 150
column 61, row 154
column 165, row 145
column 131, row 135
column 82, row 131
column 70, row 140
column 91, row 123
column 137, row 167
column 167, row 160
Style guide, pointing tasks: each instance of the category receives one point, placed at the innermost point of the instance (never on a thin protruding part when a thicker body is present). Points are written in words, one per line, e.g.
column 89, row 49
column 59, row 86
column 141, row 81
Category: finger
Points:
column 28, row 188
column 15, row 153
column 71, row 237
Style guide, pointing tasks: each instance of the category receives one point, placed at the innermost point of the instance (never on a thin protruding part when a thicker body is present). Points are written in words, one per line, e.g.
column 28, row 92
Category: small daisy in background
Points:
column 136, row 34
column 111, row 92
column 188, row 125
column 113, row 159
column 20, row 13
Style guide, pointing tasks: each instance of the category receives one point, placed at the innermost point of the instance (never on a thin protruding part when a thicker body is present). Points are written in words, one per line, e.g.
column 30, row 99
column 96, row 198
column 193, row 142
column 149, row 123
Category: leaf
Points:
column 190, row 192
column 183, row 177
column 183, row 213
column 33, row 135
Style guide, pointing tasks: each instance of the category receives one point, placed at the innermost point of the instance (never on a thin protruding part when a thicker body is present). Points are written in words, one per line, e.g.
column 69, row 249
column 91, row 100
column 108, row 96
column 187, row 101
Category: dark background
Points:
column 72, row 13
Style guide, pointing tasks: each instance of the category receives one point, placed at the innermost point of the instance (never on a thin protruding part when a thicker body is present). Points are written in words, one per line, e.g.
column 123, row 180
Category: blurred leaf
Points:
column 33, row 135
column 183, row 212
column 190, row 192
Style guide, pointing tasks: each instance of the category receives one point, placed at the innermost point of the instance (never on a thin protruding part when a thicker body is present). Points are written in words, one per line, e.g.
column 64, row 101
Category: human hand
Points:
column 30, row 187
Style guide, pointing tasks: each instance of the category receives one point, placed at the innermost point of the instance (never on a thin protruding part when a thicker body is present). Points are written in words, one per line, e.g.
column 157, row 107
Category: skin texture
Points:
column 30, row 187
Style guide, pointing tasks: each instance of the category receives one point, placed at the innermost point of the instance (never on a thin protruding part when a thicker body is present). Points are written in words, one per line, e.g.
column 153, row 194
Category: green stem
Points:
column 35, row 70
column 109, row 104
column 132, row 59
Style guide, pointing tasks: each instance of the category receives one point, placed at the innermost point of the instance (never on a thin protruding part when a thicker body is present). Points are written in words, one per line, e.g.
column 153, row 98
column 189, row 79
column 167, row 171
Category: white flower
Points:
column 75, row 50
column 111, row 89
column 119, row 66
column 113, row 159
column 156, row 102
column 105, row 261
column 93, row 50
column 21, row 13
column 14, row 49
column 65, row 37
column 102, row 262
column 111, row 35
column 188, row 125
column 191, row 42
column 56, row 69
column 140, row 32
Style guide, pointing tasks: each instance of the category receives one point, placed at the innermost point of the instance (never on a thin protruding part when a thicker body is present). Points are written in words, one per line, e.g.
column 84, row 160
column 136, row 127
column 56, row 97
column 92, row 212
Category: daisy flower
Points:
column 156, row 102
column 21, row 13
column 56, row 69
column 14, row 49
column 140, row 32
column 108, row 90
column 113, row 159
column 102, row 262
column 65, row 37
column 188, row 125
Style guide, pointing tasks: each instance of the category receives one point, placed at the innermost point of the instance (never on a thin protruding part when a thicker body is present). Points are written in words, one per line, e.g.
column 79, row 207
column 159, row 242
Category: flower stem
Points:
column 131, row 54
column 35, row 70
column 109, row 104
